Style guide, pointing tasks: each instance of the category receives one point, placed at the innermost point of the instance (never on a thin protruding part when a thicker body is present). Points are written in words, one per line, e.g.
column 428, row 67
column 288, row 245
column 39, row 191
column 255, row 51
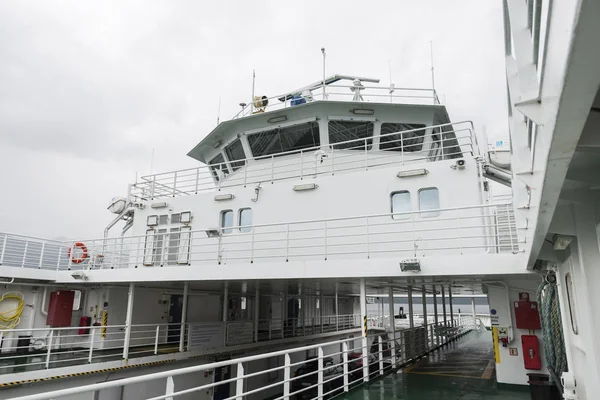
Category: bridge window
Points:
column 226, row 221
column 235, row 154
column 245, row 219
column 354, row 131
column 218, row 167
column 401, row 204
column 429, row 199
column 286, row 140
column 397, row 140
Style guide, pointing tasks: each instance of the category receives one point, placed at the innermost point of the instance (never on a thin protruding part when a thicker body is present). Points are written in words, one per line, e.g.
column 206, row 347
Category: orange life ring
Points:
column 84, row 253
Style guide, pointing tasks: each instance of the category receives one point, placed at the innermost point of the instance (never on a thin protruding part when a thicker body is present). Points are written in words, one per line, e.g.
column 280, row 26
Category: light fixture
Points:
column 561, row 242
column 152, row 220
column 186, row 217
column 274, row 120
column 362, row 111
column 214, row 232
column 412, row 172
column 223, row 197
column 306, row 186
column 80, row 276
column 161, row 204
column 410, row 264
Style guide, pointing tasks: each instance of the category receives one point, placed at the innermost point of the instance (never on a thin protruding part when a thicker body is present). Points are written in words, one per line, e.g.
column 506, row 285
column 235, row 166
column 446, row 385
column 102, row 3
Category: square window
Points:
column 429, row 200
column 175, row 218
column 152, row 220
column 401, row 204
column 186, row 217
column 163, row 219
column 226, row 221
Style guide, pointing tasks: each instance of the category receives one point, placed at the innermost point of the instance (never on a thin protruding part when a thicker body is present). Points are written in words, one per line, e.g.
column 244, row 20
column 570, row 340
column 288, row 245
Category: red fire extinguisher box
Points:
column 527, row 315
column 60, row 308
column 531, row 352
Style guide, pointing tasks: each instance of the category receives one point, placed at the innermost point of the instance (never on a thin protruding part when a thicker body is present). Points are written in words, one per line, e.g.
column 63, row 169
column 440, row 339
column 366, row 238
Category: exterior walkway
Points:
column 462, row 371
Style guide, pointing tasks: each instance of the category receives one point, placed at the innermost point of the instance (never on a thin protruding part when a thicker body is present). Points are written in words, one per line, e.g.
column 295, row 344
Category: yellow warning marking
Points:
column 104, row 323
column 489, row 370
column 496, row 348
column 366, row 330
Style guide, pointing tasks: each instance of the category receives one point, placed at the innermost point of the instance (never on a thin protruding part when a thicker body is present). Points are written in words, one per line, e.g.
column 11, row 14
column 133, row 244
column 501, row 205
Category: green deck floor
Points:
column 464, row 370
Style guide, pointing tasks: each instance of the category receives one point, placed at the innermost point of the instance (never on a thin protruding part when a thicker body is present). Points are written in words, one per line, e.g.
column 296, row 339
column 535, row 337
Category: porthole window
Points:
column 429, row 199
column 226, row 221
column 245, row 218
column 571, row 298
column 401, row 204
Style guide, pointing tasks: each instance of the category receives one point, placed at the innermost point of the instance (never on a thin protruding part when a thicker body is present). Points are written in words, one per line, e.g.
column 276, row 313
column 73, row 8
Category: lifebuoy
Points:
column 84, row 253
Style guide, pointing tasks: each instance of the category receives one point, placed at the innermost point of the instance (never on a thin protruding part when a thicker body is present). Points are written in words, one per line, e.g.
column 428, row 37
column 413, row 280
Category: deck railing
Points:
column 339, row 365
column 450, row 231
column 49, row 348
column 401, row 148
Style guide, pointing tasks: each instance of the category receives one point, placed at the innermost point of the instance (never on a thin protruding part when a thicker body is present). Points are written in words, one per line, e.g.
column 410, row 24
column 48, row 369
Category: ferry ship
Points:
column 331, row 237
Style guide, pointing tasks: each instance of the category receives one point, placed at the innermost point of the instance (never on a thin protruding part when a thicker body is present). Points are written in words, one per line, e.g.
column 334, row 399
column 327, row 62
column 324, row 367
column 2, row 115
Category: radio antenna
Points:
column 432, row 71
column 252, row 99
column 324, row 57
column 219, row 111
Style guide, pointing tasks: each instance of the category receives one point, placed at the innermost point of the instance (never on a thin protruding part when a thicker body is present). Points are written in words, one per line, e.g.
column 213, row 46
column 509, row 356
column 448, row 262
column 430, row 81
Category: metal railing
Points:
column 460, row 230
column 333, row 92
column 336, row 367
column 401, row 148
column 46, row 348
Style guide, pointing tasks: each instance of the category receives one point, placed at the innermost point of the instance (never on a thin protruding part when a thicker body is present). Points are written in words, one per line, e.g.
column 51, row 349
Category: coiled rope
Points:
column 11, row 318
column 552, row 332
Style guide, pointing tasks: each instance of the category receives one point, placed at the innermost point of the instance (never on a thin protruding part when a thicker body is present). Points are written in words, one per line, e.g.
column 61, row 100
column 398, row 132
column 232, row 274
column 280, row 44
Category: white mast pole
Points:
column 252, row 99
column 391, row 82
column 432, row 73
column 324, row 56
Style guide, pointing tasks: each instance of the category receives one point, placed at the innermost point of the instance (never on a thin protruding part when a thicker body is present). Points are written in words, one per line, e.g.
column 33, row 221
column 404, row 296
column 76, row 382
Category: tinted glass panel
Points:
column 405, row 141
column 429, row 199
column 218, row 167
column 245, row 220
column 226, row 221
column 342, row 131
column 283, row 140
column 401, row 204
column 235, row 151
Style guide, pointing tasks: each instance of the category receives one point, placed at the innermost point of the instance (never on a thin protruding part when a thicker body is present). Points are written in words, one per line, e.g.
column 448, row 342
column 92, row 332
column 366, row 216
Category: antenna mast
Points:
column 252, row 99
column 324, row 56
column 219, row 111
column 432, row 72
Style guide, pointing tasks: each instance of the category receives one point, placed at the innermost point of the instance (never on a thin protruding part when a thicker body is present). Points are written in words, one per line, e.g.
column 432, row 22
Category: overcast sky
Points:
column 88, row 89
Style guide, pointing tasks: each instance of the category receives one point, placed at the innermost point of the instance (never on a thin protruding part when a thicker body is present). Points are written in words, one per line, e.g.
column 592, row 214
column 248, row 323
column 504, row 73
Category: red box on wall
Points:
column 60, row 308
column 531, row 352
column 527, row 315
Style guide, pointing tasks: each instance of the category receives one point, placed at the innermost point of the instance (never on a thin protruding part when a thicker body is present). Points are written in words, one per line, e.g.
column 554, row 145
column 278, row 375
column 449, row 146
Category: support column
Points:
column 184, row 303
column 337, row 310
column 256, row 311
column 284, row 320
column 450, row 303
column 128, row 316
column 392, row 325
column 444, row 306
column 435, row 315
column 321, row 309
column 425, row 322
column 225, row 311
column 473, row 306
column 411, row 318
column 365, row 332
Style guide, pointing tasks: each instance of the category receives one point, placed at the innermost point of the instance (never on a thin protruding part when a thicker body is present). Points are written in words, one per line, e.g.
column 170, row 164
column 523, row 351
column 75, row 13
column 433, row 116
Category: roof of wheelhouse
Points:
column 226, row 130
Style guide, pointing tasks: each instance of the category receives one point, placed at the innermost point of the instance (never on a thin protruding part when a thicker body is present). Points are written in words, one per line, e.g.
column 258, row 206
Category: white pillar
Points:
column 321, row 309
column 256, row 311
column 473, row 306
column 392, row 325
column 450, row 304
column 337, row 310
column 444, row 305
column 186, row 288
column 364, row 341
column 128, row 316
column 411, row 318
column 435, row 315
column 424, row 295
column 284, row 321
column 225, row 311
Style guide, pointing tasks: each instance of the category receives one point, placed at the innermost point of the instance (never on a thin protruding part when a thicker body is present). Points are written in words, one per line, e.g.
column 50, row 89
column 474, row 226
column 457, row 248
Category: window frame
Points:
column 426, row 213
column 401, row 217
column 245, row 228
column 226, row 230
column 213, row 168
column 369, row 139
column 235, row 164
column 313, row 125
column 421, row 129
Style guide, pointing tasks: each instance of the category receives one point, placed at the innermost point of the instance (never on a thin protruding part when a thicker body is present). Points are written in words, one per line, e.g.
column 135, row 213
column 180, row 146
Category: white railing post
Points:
column 380, row 355
column 189, row 340
column 286, row 376
column 272, row 168
column 366, row 157
column 128, row 319
column 156, row 339
column 90, row 353
column 368, row 239
column 239, row 384
column 287, row 242
column 325, row 235
column 186, row 288
column 170, row 389
column 174, row 183
column 41, row 256
column 345, row 366
column 301, row 164
column 198, row 179
column 320, row 373
column 245, row 172
column 48, row 353
column 3, row 248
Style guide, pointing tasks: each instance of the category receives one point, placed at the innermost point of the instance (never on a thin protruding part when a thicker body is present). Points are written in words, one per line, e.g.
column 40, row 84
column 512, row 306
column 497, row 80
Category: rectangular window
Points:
column 218, row 167
column 285, row 140
column 173, row 250
column 397, row 140
column 355, row 131
column 235, row 153
column 175, row 218
column 401, row 204
column 429, row 200
column 245, row 219
column 183, row 255
column 163, row 219
column 226, row 221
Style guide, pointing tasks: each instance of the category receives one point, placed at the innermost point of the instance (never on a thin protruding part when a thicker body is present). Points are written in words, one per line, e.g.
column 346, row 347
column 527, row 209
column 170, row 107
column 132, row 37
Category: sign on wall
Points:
column 494, row 317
